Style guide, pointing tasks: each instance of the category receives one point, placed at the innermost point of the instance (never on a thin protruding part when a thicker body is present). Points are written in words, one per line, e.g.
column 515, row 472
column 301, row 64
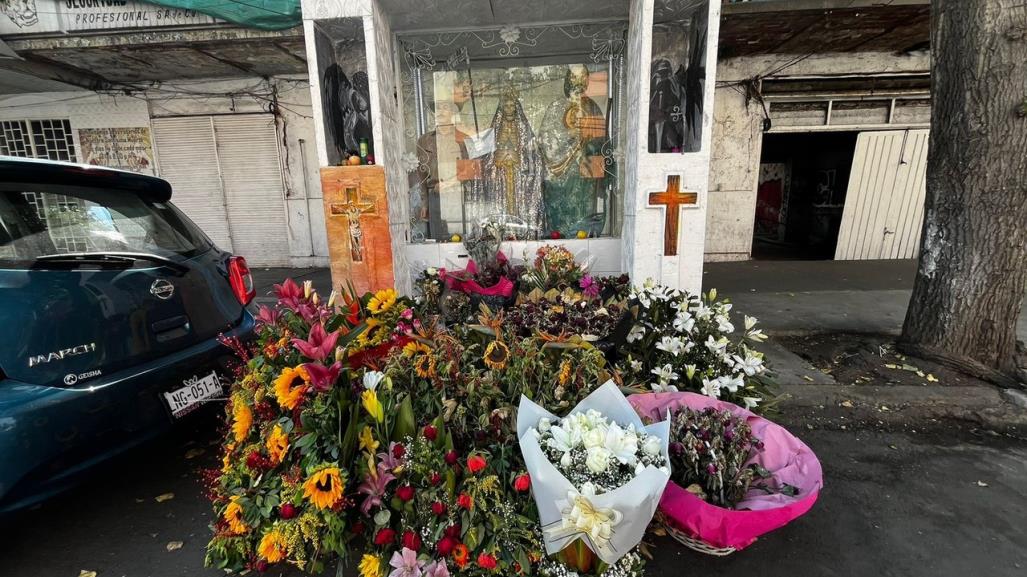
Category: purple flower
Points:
column 589, row 286
column 405, row 564
column 437, row 569
column 374, row 487
column 318, row 345
column 711, row 469
column 388, row 459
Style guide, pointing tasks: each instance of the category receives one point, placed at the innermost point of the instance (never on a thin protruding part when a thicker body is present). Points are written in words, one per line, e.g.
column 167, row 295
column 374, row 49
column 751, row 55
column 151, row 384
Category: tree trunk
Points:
column 973, row 259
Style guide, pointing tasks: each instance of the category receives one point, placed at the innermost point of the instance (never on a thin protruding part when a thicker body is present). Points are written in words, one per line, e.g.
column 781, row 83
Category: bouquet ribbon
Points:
column 581, row 516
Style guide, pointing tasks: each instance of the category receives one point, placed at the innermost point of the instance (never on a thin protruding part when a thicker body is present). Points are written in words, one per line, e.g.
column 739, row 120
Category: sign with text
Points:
column 40, row 16
column 124, row 148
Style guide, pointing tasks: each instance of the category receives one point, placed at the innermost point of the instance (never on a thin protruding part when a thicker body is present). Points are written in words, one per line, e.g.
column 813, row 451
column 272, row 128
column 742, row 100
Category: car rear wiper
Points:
column 112, row 257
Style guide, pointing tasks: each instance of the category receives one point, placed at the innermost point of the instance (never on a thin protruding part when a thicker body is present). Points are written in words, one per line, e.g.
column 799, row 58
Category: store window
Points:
column 517, row 127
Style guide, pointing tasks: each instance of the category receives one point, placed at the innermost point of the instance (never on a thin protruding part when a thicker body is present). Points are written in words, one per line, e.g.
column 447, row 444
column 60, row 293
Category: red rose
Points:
column 464, row 501
column 430, row 433
column 261, row 566
column 486, row 561
column 405, row 493
column 411, row 540
column 476, row 463
column 439, row 508
column 288, row 511
column 453, row 531
column 385, row 536
column 255, row 461
column 445, row 546
column 358, row 527
column 452, row 457
column 522, row 483
column 435, row 479
column 398, row 451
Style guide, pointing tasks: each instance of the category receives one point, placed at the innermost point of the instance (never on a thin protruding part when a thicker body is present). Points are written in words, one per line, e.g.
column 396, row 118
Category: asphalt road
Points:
column 894, row 504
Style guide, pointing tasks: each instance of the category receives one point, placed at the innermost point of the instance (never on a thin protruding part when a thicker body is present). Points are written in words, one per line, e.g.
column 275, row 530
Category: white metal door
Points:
column 226, row 175
column 188, row 159
column 251, row 171
column 884, row 204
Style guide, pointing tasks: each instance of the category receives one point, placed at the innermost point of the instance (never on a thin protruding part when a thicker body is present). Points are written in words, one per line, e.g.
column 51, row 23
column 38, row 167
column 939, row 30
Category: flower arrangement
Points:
column 712, row 455
column 555, row 267
column 687, row 342
column 384, row 432
column 597, row 473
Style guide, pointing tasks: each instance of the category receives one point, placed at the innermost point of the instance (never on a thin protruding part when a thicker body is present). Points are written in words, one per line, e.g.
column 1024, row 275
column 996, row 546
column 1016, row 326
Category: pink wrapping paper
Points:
column 787, row 458
column 459, row 281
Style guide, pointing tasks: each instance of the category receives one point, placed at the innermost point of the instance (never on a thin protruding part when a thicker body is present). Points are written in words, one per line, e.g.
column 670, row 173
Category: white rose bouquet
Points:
column 597, row 474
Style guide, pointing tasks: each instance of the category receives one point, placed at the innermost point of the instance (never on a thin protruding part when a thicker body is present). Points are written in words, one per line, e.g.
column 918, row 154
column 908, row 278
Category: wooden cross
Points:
column 353, row 208
column 672, row 200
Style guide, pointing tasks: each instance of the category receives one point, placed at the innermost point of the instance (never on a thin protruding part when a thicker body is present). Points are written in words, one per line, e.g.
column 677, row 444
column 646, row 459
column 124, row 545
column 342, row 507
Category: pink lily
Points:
column 267, row 315
column 289, row 293
column 374, row 487
column 318, row 345
column 321, row 377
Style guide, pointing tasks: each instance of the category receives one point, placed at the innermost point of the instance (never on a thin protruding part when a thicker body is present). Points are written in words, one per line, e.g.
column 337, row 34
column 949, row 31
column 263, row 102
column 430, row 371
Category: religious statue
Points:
column 666, row 103
column 439, row 153
column 572, row 136
column 511, row 183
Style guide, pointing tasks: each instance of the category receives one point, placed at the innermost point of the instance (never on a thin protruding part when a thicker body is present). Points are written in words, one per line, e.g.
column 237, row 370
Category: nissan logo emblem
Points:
column 162, row 289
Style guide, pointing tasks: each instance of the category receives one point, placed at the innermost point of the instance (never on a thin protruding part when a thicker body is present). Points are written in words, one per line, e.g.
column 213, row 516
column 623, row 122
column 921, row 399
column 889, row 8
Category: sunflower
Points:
column 382, row 301
column 370, row 335
column 565, row 372
column 461, row 555
column 273, row 546
column 370, row 566
column 290, row 386
column 242, row 419
column 277, row 444
column 496, row 355
column 367, row 441
column 324, row 488
column 226, row 460
column 233, row 516
column 424, row 361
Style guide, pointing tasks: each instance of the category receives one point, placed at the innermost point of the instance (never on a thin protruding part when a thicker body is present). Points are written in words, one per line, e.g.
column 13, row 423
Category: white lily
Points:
column 372, row 379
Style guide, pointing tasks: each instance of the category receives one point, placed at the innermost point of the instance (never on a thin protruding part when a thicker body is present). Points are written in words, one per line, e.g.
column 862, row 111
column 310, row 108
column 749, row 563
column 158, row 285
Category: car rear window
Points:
column 39, row 223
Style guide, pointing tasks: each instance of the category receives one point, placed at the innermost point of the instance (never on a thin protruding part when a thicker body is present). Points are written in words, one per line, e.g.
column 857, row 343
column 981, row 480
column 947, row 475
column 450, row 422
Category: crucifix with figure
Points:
column 671, row 200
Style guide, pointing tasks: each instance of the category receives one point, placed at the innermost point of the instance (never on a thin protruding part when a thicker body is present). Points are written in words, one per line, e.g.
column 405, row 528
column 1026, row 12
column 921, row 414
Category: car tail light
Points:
column 241, row 280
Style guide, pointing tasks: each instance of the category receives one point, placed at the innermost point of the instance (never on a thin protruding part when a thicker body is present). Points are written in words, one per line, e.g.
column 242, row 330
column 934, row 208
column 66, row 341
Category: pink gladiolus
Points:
column 319, row 344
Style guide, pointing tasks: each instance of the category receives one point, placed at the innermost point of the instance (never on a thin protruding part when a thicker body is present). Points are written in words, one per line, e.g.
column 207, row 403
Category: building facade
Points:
column 221, row 111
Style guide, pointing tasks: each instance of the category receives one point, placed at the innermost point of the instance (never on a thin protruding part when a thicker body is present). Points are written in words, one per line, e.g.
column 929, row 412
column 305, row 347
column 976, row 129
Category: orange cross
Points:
column 672, row 200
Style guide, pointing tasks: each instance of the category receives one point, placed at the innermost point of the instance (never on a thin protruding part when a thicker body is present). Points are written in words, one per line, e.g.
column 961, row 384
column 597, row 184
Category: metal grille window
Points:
column 50, row 139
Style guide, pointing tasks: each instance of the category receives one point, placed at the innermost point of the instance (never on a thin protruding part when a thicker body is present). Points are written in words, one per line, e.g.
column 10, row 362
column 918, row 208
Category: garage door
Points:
column 884, row 205
column 226, row 175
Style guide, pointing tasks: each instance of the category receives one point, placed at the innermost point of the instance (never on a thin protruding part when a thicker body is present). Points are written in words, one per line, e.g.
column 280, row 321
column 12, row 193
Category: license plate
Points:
column 196, row 391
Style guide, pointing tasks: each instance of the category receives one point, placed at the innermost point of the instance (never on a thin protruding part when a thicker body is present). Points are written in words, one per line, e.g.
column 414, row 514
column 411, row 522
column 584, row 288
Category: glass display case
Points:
column 519, row 128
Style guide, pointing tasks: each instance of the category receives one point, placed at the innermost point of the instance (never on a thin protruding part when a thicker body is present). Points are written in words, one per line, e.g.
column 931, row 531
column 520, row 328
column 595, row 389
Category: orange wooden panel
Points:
column 361, row 255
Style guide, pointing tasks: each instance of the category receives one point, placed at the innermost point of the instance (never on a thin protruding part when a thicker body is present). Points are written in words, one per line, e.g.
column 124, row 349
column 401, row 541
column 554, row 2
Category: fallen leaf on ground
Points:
column 174, row 545
column 847, row 404
column 892, row 366
column 84, row 573
column 808, row 378
column 981, row 484
column 931, row 378
column 164, row 497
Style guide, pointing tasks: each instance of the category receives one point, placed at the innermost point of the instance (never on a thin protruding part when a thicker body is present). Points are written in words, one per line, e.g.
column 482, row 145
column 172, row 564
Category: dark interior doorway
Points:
column 801, row 194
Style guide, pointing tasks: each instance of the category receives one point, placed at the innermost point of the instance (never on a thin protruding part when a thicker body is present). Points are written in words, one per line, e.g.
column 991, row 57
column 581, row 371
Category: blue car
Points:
column 112, row 306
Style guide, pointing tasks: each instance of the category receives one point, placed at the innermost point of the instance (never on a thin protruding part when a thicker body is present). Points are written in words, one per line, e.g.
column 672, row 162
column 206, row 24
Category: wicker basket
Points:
column 692, row 542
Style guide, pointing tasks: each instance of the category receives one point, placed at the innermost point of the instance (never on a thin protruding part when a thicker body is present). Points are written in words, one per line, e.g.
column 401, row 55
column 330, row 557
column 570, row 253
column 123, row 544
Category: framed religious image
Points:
column 677, row 75
column 519, row 127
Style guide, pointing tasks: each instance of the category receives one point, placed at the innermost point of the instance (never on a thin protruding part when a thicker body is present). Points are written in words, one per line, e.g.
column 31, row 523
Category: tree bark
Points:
column 973, row 258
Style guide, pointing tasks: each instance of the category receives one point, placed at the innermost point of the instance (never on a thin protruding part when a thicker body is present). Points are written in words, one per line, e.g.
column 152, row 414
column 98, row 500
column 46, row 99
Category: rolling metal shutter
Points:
column 884, row 205
column 226, row 175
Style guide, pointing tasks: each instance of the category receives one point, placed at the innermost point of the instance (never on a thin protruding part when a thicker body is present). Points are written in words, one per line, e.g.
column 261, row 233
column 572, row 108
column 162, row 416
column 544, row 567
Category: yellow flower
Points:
column 424, row 361
column 370, row 566
column 273, row 546
column 496, row 355
column 373, row 405
column 290, row 387
column 242, row 419
column 565, row 372
column 369, row 336
column 382, row 301
column 367, row 441
column 277, row 444
column 324, row 488
column 226, row 460
column 233, row 515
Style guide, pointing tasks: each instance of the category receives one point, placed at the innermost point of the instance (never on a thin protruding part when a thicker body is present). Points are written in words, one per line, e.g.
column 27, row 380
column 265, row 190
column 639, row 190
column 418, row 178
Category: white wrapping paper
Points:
column 625, row 511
